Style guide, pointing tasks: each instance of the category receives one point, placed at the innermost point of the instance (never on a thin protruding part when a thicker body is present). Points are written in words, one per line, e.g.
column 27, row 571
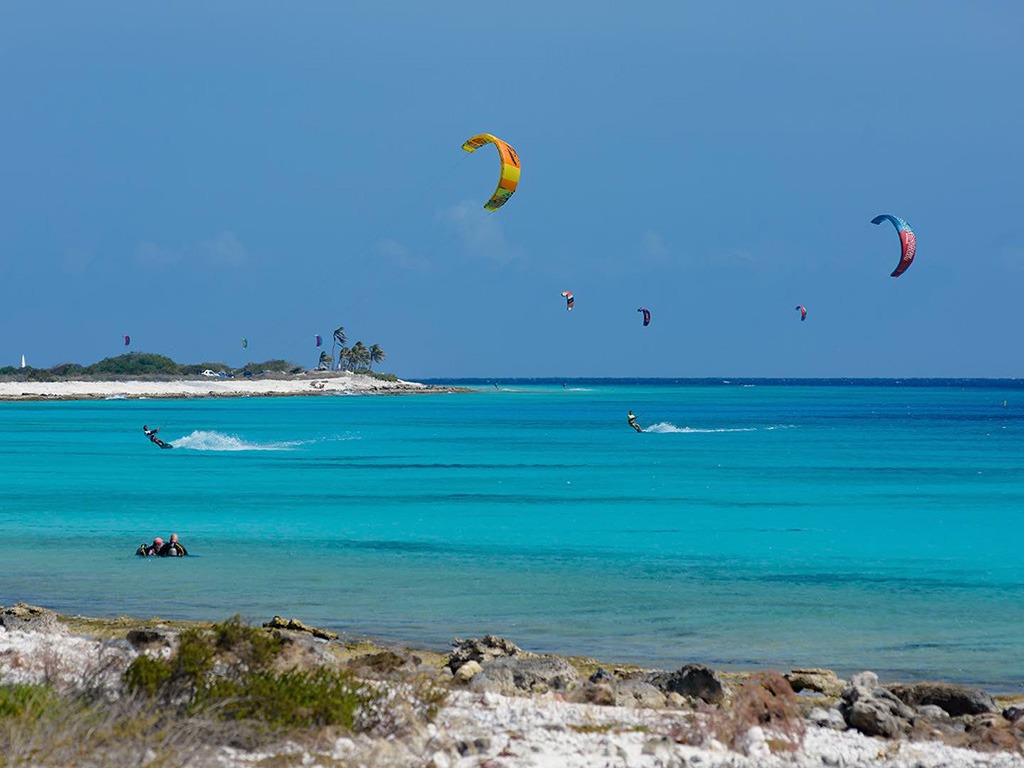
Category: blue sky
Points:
column 192, row 172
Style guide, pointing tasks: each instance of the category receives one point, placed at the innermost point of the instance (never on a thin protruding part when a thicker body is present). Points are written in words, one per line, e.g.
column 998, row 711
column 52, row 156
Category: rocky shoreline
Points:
column 507, row 708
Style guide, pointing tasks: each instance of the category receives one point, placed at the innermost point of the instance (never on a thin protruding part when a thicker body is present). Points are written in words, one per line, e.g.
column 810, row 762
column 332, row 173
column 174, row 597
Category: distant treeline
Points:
column 145, row 364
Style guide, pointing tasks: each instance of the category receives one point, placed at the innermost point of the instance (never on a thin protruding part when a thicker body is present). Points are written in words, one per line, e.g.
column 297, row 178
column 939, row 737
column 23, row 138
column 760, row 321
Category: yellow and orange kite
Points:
column 509, row 168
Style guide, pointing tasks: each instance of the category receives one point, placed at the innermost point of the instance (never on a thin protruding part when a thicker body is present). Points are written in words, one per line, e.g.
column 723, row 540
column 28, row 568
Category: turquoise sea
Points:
column 756, row 523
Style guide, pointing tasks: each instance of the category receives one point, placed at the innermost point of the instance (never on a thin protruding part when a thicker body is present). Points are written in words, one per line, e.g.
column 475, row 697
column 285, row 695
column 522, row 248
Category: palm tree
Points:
column 339, row 340
column 326, row 361
column 344, row 358
column 377, row 354
column 360, row 354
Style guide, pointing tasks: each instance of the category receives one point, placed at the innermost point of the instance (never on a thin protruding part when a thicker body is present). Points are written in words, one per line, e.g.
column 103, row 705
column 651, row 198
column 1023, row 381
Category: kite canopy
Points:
column 127, row 340
column 509, row 179
column 908, row 241
column 568, row 299
column 803, row 312
column 245, row 343
column 647, row 315
column 317, row 339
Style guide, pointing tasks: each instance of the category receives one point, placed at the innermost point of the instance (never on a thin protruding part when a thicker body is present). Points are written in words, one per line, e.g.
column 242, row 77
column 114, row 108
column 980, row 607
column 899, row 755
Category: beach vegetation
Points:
column 134, row 364
column 38, row 374
column 225, row 685
column 290, row 699
column 145, row 365
column 267, row 366
column 67, row 369
column 148, row 675
column 25, row 700
column 230, row 673
column 375, row 354
column 764, row 700
column 359, row 358
column 88, row 730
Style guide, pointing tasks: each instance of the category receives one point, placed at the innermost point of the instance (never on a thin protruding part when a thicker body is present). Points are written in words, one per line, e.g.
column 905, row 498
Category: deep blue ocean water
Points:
column 852, row 525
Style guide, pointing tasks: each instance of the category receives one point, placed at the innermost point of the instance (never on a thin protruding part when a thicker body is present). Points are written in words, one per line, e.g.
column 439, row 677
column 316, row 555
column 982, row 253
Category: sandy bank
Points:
column 306, row 384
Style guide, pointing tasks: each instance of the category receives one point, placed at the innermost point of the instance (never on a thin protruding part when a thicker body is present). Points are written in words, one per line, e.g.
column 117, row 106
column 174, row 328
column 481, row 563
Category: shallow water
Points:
column 753, row 524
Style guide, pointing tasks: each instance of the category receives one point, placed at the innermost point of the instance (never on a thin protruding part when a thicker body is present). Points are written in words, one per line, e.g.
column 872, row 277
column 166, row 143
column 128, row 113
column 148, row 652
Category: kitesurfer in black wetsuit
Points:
column 632, row 422
column 151, row 434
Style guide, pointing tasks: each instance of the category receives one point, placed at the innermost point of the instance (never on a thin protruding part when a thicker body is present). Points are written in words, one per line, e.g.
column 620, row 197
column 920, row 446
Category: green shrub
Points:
column 134, row 364
column 255, row 648
column 148, row 675
column 171, row 678
column 67, row 369
column 272, row 366
column 194, row 659
column 290, row 699
column 247, row 687
column 26, row 700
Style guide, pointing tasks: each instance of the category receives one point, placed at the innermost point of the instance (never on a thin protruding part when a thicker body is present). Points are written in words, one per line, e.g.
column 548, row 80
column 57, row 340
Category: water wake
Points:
column 201, row 440
column 664, row 427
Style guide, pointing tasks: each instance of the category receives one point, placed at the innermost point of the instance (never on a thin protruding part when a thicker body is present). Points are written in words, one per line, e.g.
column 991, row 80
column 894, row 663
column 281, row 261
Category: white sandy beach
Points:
column 278, row 386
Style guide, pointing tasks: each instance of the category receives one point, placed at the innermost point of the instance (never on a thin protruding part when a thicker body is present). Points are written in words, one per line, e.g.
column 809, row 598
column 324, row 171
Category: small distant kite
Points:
column 568, row 299
column 127, row 340
column 509, row 179
column 647, row 315
column 803, row 312
column 908, row 242
column 319, row 341
column 245, row 343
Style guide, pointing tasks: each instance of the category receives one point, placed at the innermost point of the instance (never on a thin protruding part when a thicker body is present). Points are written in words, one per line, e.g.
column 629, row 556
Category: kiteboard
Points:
column 165, row 445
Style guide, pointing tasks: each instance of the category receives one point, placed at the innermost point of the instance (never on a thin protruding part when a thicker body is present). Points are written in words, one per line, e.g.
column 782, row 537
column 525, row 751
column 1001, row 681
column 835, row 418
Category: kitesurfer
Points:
column 631, row 418
column 151, row 434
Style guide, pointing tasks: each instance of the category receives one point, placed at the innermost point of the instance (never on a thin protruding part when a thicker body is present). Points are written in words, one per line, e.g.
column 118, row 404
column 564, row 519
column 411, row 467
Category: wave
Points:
column 201, row 440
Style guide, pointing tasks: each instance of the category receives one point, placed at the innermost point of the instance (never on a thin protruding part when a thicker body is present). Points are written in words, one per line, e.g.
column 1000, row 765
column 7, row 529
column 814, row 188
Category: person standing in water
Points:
column 631, row 418
column 173, row 548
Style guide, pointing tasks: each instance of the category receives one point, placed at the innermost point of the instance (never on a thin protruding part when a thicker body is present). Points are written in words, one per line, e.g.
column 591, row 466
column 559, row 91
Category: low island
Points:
column 143, row 375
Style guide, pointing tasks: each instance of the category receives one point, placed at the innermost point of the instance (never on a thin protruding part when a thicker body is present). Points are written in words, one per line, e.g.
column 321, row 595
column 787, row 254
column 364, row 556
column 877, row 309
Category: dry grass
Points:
column 988, row 733
column 86, row 730
column 221, row 688
column 764, row 699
